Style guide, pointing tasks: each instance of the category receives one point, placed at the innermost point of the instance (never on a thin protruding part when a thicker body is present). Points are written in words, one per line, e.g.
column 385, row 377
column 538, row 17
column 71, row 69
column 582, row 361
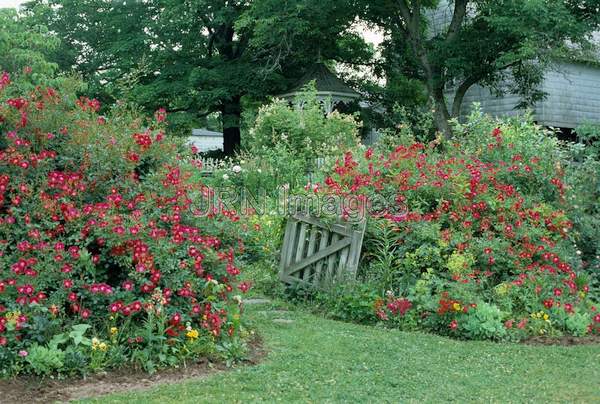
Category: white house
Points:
column 206, row 140
column 572, row 89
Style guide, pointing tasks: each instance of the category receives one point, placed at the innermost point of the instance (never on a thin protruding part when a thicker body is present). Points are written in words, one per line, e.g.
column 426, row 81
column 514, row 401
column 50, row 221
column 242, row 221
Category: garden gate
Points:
column 314, row 252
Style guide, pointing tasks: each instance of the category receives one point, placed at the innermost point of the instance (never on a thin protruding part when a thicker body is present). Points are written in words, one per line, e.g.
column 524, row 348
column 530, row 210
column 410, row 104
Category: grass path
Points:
column 318, row 360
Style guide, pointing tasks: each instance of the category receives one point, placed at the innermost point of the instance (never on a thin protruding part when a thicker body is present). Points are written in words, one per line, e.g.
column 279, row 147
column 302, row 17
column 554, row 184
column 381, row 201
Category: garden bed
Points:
column 33, row 389
column 564, row 340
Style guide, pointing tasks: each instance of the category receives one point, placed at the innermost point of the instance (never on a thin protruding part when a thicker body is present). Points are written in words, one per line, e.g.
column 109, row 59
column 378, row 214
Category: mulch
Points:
column 25, row 389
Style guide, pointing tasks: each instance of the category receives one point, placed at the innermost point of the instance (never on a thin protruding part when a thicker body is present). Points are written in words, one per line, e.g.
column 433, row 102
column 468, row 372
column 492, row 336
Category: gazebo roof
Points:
column 325, row 81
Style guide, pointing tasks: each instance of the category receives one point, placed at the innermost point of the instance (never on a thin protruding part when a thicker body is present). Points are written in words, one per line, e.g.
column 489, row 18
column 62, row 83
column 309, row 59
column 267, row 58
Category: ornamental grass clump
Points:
column 105, row 258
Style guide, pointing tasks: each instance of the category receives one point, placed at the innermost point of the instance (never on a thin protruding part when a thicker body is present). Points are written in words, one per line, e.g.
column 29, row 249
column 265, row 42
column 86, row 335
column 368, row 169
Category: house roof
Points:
column 205, row 132
column 325, row 82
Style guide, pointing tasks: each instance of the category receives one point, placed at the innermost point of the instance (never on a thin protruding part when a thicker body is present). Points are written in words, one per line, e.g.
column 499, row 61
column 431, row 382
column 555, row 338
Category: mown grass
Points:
column 318, row 360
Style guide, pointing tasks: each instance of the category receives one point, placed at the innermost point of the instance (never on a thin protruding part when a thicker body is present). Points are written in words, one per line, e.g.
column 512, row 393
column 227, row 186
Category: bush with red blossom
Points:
column 470, row 232
column 100, row 224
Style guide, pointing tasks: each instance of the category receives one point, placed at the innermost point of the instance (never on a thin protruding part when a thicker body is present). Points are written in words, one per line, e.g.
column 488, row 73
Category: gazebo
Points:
column 331, row 91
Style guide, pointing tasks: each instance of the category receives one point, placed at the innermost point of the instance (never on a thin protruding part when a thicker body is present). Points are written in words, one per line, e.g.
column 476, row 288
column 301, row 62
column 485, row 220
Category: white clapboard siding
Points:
column 573, row 89
column 206, row 140
column 573, row 97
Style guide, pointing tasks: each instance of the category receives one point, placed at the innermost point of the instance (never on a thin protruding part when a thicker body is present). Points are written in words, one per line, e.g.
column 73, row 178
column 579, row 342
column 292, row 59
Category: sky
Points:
column 10, row 3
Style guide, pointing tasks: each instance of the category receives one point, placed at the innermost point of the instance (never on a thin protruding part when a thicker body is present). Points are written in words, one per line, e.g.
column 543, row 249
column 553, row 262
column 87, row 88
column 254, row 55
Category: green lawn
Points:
column 318, row 360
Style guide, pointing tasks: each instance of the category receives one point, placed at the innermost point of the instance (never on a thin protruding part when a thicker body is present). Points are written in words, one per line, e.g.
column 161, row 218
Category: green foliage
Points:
column 577, row 324
column 349, row 302
column 197, row 57
column 291, row 139
column 583, row 173
column 45, row 360
column 25, row 49
column 589, row 135
column 482, row 42
column 484, row 322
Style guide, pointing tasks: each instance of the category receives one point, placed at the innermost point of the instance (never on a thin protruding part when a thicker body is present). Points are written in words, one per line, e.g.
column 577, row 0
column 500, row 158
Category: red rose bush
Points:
column 105, row 255
column 471, row 239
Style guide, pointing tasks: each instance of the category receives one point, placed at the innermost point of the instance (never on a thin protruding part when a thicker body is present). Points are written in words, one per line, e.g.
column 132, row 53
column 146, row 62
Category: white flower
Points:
column 578, row 252
column 236, row 169
column 225, row 177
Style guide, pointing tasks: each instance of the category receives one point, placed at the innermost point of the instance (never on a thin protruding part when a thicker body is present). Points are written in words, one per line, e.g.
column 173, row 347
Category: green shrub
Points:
column 288, row 140
column 44, row 361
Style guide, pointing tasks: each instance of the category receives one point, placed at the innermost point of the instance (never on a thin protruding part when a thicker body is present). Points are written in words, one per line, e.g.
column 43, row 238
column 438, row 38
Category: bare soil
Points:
column 27, row 389
column 563, row 341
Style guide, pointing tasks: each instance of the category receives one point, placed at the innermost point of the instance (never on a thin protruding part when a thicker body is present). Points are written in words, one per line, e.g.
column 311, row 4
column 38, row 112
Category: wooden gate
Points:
column 315, row 252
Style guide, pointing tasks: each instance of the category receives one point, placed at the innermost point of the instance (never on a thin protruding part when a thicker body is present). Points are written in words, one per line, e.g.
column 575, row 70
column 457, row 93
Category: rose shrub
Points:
column 475, row 234
column 105, row 258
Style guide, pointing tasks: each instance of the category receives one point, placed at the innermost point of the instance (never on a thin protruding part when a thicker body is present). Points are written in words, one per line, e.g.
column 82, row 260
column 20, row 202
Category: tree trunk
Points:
column 231, row 112
column 459, row 96
column 441, row 116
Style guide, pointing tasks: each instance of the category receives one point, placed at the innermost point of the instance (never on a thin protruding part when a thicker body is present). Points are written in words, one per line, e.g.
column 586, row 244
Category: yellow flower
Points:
column 192, row 334
column 113, row 330
column 456, row 307
column 97, row 344
column 13, row 316
column 546, row 317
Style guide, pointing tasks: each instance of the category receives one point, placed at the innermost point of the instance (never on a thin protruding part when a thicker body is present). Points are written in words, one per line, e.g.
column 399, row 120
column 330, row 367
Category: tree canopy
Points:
column 489, row 42
column 25, row 49
column 198, row 57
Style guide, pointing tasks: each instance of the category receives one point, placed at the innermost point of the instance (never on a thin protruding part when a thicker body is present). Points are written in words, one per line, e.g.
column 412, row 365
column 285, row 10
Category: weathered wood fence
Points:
column 314, row 252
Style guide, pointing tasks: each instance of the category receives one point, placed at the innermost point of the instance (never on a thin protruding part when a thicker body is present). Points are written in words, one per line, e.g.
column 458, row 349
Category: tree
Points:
column 488, row 42
column 196, row 57
column 25, row 49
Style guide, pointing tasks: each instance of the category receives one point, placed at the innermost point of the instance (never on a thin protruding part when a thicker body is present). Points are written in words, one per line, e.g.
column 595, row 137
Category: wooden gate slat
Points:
column 355, row 248
column 301, row 241
column 322, row 245
column 336, row 227
column 332, row 258
column 343, row 259
column 285, row 246
column 312, row 245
